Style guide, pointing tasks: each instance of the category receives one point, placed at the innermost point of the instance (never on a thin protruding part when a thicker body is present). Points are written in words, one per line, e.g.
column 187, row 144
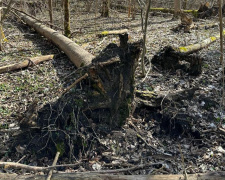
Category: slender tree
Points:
column 221, row 44
column 67, row 31
column 176, row 8
column 105, row 8
column 50, row 12
column 144, row 38
column 133, row 9
column 1, row 25
column 185, row 4
column 129, row 8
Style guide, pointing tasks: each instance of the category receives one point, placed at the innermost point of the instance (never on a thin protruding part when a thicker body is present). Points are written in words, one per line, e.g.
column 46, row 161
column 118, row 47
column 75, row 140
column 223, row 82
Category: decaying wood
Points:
column 76, row 54
column 166, row 10
column 206, row 11
column 170, row 58
column 94, row 176
column 72, row 85
column 115, row 32
column 186, row 23
column 152, row 99
column 26, row 63
column 53, row 164
column 34, row 168
column 195, row 47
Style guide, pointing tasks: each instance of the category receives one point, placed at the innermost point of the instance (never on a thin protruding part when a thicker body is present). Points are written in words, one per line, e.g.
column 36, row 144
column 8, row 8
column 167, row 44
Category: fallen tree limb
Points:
column 195, row 47
column 25, row 63
column 53, row 164
column 76, row 54
column 166, row 10
column 94, row 176
column 115, row 32
column 34, row 168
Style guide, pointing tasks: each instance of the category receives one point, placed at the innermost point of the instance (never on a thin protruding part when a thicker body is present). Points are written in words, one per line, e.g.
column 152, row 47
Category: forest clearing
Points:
column 88, row 90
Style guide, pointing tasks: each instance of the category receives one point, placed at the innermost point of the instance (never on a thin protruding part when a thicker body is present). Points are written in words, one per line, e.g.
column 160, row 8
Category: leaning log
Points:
column 97, row 176
column 25, row 63
column 76, row 54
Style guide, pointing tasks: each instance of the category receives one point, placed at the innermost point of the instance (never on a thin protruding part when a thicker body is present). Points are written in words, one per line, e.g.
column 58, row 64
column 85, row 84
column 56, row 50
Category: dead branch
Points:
column 115, row 32
column 77, row 81
column 53, row 164
column 26, row 63
column 34, row 168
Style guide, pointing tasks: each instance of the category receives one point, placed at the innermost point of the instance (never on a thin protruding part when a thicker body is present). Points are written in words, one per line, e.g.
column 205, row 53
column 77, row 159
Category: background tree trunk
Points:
column 67, row 31
column 105, row 8
column 176, row 8
column 50, row 12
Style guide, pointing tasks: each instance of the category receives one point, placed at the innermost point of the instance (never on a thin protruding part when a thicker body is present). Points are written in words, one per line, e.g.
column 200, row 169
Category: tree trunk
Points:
column 67, row 31
column 1, row 25
column 176, row 8
column 185, row 4
column 77, row 55
column 105, row 8
column 50, row 12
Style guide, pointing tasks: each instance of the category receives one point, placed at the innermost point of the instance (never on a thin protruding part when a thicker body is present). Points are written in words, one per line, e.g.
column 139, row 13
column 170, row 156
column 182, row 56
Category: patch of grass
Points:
column 4, row 111
column 5, row 58
column 4, row 87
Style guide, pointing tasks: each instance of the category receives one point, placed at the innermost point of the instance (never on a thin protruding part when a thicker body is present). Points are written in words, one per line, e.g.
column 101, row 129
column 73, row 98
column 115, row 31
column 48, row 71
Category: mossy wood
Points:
column 115, row 32
column 171, row 57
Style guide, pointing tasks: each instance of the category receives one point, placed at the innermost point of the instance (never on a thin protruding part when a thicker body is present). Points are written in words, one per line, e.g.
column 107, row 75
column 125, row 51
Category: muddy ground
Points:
column 178, row 134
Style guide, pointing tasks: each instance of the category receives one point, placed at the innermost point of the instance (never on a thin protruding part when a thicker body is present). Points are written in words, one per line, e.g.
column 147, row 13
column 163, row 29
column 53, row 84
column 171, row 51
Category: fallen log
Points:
column 167, row 10
column 95, row 176
column 26, row 63
column 195, row 47
column 76, row 54
column 115, row 32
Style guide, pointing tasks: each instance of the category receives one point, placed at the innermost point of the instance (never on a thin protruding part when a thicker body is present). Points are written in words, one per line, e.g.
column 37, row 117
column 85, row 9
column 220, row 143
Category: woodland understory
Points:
column 177, row 130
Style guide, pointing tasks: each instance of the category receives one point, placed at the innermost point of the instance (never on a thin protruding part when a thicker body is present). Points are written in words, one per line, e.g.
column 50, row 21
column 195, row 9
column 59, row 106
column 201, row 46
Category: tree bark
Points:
column 105, row 8
column 176, row 8
column 50, row 12
column 67, row 31
column 76, row 54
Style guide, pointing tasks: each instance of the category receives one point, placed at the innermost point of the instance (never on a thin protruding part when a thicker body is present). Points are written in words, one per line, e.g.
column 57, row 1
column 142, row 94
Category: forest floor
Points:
column 153, row 134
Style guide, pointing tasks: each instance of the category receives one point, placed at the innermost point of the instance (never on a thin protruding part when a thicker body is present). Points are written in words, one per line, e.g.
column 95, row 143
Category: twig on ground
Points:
column 34, row 168
column 125, row 169
column 53, row 164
